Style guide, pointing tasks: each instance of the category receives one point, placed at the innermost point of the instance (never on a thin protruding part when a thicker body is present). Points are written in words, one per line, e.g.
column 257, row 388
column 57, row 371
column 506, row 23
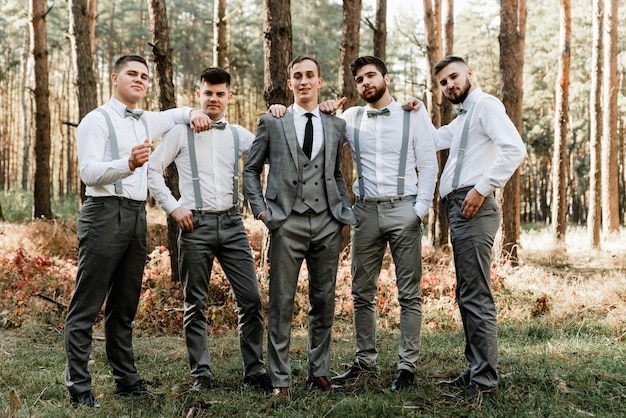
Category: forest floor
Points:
column 561, row 313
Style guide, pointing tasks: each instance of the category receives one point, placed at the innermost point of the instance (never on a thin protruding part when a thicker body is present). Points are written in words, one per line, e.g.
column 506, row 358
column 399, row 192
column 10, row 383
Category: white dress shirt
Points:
column 380, row 143
column 300, row 120
column 494, row 147
column 215, row 154
column 98, row 170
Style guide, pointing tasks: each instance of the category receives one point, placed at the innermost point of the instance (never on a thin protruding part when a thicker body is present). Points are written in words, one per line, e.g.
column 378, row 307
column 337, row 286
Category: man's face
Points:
column 455, row 81
column 131, row 83
column 305, row 82
column 214, row 99
column 370, row 83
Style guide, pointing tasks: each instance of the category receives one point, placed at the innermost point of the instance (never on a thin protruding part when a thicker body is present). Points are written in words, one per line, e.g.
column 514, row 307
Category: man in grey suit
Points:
column 305, row 207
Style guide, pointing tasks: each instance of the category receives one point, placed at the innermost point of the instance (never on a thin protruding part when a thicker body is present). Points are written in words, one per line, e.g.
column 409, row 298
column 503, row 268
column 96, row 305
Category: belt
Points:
column 119, row 199
column 457, row 191
column 385, row 199
column 215, row 212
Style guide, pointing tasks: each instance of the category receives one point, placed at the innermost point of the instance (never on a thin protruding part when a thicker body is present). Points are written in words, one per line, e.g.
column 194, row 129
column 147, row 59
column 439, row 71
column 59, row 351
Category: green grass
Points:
column 17, row 206
column 545, row 372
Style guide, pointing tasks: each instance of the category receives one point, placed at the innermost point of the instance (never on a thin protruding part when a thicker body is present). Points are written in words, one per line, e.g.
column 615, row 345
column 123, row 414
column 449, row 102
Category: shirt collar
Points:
column 471, row 99
column 391, row 106
column 300, row 111
column 118, row 106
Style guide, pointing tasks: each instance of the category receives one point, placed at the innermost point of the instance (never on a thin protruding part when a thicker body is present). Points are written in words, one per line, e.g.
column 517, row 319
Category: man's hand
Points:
column 199, row 121
column 331, row 106
column 411, row 103
column 184, row 218
column 473, row 201
column 139, row 155
column 278, row 110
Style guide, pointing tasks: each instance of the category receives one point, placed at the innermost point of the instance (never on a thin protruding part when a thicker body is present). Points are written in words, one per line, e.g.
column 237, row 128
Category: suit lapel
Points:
column 289, row 130
column 327, row 123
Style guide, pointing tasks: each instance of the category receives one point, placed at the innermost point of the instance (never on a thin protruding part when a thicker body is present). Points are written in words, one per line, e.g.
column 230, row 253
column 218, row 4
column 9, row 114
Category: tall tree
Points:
column 380, row 30
column 348, row 52
column 512, row 36
column 82, row 50
column 39, row 40
column 219, row 34
column 610, row 209
column 436, row 103
column 560, row 156
column 594, row 217
column 278, row 39
column 167, row 99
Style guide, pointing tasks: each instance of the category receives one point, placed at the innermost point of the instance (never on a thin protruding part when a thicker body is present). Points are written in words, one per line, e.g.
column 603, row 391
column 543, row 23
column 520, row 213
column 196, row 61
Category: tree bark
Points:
column 512, row 36
column 348, row 52
column 277, row 44
column 219, row 34
column 594, row 216
column 39, row 39
column 610, row 209
column 380, row 31
column 167, row 100
column 560, row 155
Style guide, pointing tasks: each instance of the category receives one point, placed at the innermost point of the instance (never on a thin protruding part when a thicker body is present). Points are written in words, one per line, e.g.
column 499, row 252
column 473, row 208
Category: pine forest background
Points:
column 124, row 27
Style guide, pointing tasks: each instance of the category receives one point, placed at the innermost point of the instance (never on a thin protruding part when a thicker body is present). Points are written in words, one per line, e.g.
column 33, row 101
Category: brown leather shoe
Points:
column 282, row 393
column 322, row 383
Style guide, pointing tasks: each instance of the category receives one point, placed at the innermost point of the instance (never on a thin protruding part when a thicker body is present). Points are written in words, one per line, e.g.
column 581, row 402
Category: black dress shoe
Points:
column 138, row 389
column 322, row 383
column 472, row 392
column 85, row 399
column 201, row 383
column 403, row 380
column 459, row 382
column 352, row 373
column 262, row 382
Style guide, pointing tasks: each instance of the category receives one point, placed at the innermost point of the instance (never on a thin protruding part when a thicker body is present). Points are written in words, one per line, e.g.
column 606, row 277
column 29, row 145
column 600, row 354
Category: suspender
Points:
column 403, row 151
column 115, row 152
column 462, row 144
column 195, row 178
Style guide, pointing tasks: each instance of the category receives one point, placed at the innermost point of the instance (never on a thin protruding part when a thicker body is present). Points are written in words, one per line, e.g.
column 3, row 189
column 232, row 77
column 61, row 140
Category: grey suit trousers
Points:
column 315, row 238
column 472, row 242
column 220, row 235
column 111, row 257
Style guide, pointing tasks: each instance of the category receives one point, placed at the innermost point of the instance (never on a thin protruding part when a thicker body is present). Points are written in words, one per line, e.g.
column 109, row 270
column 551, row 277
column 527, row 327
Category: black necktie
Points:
column 133, row 113
column 308, row 136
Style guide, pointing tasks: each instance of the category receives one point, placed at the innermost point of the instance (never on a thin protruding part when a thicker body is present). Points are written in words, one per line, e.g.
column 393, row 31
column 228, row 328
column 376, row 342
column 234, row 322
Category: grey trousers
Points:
column 220, row 235
column 472, row 242
column 316, row 238
column 111, row 259
column 379, row 224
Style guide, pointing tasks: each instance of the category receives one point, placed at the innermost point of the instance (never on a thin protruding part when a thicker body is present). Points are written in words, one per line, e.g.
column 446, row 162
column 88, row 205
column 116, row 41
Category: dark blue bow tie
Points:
column 133, row 113
column 374, row 113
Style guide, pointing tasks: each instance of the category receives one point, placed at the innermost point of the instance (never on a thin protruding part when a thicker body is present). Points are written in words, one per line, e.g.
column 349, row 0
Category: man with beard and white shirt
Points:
column 389, row 147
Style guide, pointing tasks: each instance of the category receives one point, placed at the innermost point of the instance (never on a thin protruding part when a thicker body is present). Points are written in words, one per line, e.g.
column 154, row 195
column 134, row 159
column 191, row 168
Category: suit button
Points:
column 295, row 182
column 306, row 166
column 304, row 182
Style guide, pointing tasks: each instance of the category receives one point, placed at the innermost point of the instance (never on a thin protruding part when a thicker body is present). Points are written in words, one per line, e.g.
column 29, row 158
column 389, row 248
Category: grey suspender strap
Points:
column 195, row 178
column 403, row 151
column 462, row 145
column 357, row 151
column 115, row 153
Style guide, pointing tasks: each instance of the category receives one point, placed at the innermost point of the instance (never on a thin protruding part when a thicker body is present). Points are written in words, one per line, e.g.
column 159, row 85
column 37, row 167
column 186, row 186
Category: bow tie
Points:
column 460, row 111
column 133, row 113
column 374, row 113
column 218, row 125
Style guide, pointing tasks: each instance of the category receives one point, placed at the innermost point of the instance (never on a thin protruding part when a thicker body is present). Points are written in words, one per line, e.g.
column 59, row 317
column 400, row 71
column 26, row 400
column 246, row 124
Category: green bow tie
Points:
column 460, row 111
column 374, row 113
column 218, row 125
column 133, row 113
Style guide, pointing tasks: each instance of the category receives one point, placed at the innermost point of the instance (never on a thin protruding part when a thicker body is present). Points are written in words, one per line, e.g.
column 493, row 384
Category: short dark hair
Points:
column 215, row 75
column 125, row 59
column 301, row 58
column 445, row 61
column 368, row 59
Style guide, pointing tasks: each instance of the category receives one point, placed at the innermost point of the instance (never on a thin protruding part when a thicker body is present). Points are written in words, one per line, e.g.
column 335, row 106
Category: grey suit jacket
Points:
column 277, row 144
